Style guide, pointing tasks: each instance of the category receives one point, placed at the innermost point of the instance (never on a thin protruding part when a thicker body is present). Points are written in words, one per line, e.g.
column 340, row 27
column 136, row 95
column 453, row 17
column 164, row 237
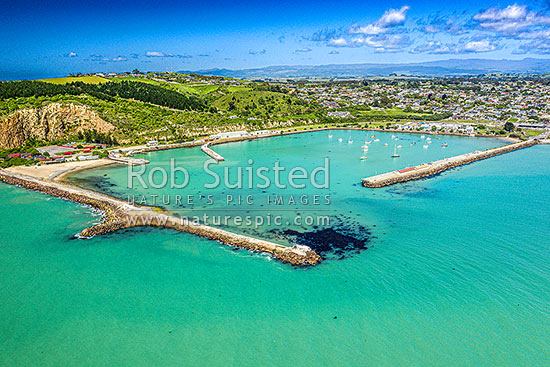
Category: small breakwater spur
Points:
column 434, row 168
column 209, row 152
column 129, row 161
column 119, row 214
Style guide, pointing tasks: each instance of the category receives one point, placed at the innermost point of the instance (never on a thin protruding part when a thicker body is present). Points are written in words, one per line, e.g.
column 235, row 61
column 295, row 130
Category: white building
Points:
column 260, row 132
column 230, row 134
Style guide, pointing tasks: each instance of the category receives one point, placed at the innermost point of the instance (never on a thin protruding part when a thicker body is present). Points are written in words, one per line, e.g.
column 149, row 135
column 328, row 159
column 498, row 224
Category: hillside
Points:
column 452, row 67
column 261, row 104
column 136, row 109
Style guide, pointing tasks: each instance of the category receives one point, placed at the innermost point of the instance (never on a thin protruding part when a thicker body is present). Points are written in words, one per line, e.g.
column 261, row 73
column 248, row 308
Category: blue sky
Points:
column 41, row 38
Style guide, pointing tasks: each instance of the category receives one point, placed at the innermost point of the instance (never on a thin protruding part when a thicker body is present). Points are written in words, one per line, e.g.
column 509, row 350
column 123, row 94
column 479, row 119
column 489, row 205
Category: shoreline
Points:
column 284, row 133
column 59, row 172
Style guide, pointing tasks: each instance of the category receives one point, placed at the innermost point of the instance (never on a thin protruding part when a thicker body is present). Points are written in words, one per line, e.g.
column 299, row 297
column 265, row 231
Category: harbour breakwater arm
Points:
column 209, row 152
column 129, row 161
column 119, row 214
column 434, row 168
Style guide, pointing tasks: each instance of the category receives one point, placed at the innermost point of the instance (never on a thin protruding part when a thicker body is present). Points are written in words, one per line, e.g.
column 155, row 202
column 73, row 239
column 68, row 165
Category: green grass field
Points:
column 237, row 88
column 143, row 80
column 70, row 79
column 249, row 102
column 197, row 89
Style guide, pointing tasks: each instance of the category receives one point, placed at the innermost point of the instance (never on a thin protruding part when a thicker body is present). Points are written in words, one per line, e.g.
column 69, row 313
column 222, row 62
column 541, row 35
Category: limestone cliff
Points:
column 50, row 122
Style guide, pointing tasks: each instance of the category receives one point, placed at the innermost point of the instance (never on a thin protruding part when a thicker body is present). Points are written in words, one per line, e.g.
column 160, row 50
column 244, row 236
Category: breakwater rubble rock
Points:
column 435, row 168
column 118, row 215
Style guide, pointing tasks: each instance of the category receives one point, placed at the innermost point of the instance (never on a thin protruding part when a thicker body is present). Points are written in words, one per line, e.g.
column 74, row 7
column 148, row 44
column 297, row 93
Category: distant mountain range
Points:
column 452, row 67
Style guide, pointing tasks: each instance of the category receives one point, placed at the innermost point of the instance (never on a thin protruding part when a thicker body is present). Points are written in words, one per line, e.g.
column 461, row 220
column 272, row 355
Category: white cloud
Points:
column 510, row 20
column 391, row 18
column 382, row 43
column 479, row 46
column 71, row 54
column 511, row 12
column 462, row 46
column 431, row 29
column 540, row 34
column 164, row 54
column 434, row 47
column 338, row 42
column 154, row 54
column 103, row 59
column 536, row 47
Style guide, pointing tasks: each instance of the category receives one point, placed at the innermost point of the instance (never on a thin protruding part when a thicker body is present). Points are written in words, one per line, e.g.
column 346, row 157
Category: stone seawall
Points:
column 434, row 168
column 119, row 215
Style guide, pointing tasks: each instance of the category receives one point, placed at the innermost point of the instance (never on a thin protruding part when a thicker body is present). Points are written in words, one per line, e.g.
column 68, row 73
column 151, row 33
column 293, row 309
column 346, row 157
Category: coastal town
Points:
column 489, row 105
column 491, row 99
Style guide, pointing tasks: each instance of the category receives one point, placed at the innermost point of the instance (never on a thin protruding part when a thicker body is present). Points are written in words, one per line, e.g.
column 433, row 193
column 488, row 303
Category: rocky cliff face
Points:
column 50, row 122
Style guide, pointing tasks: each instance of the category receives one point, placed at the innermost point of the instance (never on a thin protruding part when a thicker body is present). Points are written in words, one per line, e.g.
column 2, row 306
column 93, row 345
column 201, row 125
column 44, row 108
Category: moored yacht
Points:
column 395, row 155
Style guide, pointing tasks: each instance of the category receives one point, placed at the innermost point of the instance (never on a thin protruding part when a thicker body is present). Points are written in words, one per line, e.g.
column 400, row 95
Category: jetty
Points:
column 209, row 152
column 129, row 160
column 434, row 168
column 119, row 214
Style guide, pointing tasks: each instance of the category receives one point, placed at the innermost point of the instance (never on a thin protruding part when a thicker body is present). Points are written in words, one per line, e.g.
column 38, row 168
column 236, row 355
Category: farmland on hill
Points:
column 71, row 79
column 255, row 103
column 147, row 108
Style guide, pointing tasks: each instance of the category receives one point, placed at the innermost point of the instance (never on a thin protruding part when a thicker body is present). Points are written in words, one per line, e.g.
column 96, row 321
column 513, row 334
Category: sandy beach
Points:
column 56, row 171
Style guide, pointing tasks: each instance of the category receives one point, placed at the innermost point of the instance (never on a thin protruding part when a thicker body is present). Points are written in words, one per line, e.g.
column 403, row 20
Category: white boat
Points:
column 425, row 146
column 349, row 140
column 422, row 137
column 340, row 139
column 444, row 145
column 368, row 142
column 399, row 146
column 395, row 155
column 429, row 141
column 365, row 147
column 329, row 135
column 393, row 136
column 363, row 157
column 396, row 138
column 428, row 138
column 376, row 140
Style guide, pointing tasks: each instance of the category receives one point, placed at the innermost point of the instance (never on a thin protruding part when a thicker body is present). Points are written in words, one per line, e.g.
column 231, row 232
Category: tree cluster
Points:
column 107, row 91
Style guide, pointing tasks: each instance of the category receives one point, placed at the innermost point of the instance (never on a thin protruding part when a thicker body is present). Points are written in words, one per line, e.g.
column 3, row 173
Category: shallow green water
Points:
column 458, row 272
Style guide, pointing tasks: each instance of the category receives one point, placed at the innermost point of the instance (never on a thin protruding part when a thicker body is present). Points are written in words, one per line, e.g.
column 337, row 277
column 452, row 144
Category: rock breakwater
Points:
column 120, row 215
column 434, row 168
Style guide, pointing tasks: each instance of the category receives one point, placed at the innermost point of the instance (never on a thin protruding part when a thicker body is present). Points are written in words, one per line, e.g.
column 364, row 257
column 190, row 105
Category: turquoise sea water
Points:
column 457, row 271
